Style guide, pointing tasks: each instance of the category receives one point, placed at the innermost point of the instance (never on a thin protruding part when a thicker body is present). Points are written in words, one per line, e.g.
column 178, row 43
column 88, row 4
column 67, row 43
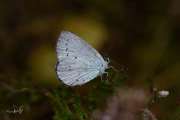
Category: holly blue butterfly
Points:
column 78, row 62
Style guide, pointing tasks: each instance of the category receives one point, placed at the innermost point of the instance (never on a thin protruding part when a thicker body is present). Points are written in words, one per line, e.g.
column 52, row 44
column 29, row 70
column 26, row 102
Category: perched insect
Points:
column 78, row 62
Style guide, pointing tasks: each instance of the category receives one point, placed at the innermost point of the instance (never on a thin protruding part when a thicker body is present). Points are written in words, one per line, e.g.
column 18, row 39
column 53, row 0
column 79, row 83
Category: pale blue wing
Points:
column 71, row 43
column 78, row 61
column 75, row 76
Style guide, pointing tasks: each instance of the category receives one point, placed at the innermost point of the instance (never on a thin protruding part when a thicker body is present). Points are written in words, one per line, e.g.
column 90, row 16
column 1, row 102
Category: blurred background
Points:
column 144, row 36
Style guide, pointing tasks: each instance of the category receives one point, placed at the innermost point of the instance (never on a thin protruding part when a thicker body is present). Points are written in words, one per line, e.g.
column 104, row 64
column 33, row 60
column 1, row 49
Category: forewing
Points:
column 70, row 43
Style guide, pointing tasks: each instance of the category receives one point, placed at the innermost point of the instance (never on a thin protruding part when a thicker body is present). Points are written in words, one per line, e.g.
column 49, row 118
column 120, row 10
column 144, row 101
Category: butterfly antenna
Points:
column 124, row 67
column 108, row 51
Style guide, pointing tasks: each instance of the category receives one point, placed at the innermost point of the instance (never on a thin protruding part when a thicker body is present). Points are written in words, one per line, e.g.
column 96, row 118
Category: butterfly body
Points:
column 78, row 62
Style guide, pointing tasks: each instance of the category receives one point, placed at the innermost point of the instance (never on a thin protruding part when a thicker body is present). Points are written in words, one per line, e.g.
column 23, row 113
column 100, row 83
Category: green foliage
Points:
column 113, row 84
column 178, row 112
column 70, row 105
column 15, row 91
column 20, row 92
column 66, row 102
column 150, row 84
column 176, row 115
column 158, row 118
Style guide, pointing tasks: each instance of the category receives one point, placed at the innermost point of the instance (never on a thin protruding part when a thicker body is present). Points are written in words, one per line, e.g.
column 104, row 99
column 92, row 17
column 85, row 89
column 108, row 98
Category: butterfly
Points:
column 78, row 62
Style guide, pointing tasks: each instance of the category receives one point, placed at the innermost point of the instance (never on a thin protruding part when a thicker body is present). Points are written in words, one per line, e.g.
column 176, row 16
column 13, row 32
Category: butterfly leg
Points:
column 113, row 68
column 106, row 75
column 101, row 77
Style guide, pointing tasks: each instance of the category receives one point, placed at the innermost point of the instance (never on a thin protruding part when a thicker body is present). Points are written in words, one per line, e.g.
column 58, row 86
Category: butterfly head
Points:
column 106, row 60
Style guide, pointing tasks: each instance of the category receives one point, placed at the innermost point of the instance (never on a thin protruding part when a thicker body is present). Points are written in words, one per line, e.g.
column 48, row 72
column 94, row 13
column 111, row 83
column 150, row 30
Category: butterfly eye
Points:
column 106, row 59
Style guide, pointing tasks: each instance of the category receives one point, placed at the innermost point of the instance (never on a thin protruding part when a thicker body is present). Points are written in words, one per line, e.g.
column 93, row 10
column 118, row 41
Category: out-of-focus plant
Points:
column 22, row 93
column 177, row 113
column 69, row 105
column 107, row 100
column 124, row 105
